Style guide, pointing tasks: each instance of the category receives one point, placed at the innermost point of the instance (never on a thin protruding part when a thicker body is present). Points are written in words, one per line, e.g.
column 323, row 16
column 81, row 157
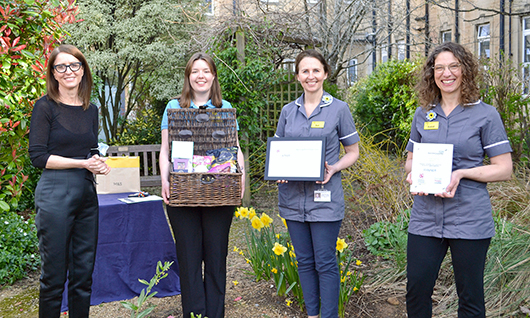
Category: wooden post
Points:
column 240, row 45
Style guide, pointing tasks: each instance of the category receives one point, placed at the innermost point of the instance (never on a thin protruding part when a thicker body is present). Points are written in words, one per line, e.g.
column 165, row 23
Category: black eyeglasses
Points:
column 74, row 67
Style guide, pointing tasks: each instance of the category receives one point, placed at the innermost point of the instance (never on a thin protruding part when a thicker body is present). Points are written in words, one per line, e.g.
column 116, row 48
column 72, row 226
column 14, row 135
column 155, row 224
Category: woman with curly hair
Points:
column 461, row 217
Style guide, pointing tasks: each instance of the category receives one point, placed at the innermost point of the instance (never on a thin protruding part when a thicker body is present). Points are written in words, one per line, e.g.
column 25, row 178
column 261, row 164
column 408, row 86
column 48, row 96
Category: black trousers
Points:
column 201, row 235
column 67, row 226
column 424, row 258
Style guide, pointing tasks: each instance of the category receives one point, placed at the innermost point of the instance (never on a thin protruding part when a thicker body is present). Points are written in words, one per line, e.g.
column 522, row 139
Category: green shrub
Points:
column 144, row 130
column 18, row 247
column 385, row 101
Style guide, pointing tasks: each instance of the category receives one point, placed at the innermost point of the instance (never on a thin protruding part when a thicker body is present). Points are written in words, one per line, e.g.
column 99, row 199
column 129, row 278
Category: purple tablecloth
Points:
column 132, row 239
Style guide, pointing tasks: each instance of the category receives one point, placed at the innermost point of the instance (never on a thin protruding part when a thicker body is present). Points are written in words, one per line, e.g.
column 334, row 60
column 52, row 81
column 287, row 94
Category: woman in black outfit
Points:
column 63, row 140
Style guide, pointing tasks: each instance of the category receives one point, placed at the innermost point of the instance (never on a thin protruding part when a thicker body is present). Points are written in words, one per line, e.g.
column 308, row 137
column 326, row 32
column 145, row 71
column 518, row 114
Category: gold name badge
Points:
column 317, row 124
column 431, row 125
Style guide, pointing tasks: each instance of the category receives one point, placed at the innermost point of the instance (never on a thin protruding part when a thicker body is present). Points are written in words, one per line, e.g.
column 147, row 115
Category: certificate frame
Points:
column 295, row 158
column 431, row 167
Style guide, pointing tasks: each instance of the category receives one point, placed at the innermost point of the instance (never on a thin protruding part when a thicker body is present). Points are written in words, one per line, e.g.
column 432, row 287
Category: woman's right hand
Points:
column 97, row 165
column 165, row 191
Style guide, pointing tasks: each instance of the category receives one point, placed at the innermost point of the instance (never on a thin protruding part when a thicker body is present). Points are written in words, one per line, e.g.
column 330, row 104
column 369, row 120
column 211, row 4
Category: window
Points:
column 208, row 7
column 446, row 36
column 401, row 50
column 384, row 55
column 288, row 65
column 526, row 55
column 352, row 71
column 483, row 37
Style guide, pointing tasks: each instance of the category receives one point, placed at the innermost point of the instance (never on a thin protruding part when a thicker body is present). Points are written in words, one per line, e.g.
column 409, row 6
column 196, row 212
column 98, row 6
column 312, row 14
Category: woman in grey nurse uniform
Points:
column 314, row 211
column 460, row 217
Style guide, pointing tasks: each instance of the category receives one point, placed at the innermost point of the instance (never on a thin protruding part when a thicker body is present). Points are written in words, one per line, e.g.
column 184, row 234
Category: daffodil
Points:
column 274, row 270
column 235, row 282
column 292, row 254
column 355, row 289
column 341, row 245
column 288, row 302
column 243, row 212
column 237, row 212
column 348, row 273
column 251, row 213
column 256, row 223
column 248, row 261
column 278, row 236
column 343, row 279
column 267, row 220
column 358, row 263
column 236, row 249
column 279, row 249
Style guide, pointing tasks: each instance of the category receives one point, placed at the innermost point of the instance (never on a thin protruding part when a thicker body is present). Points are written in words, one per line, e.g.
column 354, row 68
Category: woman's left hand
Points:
column 329, row 172
column 450, row 190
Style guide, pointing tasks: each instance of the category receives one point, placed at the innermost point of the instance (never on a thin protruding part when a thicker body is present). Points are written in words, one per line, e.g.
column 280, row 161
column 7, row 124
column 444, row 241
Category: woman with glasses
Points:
column 460, row 218
column 201, row 233
column 63, row 140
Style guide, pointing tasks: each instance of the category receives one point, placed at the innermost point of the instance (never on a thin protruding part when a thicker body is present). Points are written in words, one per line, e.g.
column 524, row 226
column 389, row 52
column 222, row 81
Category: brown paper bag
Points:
column 123, row 177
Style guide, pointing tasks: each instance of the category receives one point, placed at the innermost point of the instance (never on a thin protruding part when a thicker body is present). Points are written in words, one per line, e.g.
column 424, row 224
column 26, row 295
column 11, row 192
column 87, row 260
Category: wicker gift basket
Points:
column 208, row 129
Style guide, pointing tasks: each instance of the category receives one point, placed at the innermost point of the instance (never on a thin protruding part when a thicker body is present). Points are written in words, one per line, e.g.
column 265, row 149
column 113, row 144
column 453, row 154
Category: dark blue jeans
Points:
column 315, row 246
column 424, row 258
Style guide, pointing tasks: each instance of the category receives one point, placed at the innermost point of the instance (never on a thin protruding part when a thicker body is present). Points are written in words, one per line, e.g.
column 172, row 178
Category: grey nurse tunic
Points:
column 296, row 198
column 475, row 130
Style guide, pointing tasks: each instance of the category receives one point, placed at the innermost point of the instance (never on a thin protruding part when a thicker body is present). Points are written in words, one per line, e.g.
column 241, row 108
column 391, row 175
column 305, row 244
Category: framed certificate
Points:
column 432, row 165
column 295, row 159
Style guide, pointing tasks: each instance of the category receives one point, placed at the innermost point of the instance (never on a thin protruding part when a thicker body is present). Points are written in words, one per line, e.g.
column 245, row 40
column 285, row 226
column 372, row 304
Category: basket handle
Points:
column 185, row 134
column 218, row 134
column 202, row 118
column 207, row 178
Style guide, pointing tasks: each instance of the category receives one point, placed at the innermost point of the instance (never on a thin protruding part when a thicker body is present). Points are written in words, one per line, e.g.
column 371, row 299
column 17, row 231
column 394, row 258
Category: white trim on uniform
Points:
column 496, row 144
column 348, row 136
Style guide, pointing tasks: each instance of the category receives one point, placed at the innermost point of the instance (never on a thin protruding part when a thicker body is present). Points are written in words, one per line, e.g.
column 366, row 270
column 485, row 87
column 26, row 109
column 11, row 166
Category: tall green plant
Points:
column 501, row 87
column 146, row 294
column 29, row 30
column 385, row 101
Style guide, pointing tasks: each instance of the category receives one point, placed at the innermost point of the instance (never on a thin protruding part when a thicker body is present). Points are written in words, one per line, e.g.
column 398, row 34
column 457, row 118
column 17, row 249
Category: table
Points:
column 132, row 239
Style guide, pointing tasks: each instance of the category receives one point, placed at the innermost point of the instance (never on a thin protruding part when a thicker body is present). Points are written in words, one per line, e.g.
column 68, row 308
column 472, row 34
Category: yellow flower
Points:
column 341, row 245
column 237, row 212
column 343, row 279
column 266, row 220
column 289, row 302
column 256, row 223
column 348, row 273
column 251, row 213
column 278, row 236
column 235, row 282
column 241, row 253
column 243, row 212
column 236, row 249
column 355, row 289
column 274, row 270
column 292, row 254
column 248, row 261
column 358, row 263
column 279, row 249
column 283, row 220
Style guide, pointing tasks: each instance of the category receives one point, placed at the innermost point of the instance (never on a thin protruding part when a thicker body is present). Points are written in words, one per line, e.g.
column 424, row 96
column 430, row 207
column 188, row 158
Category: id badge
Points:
column 322, row 195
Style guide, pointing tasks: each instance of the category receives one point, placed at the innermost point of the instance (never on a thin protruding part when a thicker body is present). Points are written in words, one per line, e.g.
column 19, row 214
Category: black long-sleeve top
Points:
column 62, row 130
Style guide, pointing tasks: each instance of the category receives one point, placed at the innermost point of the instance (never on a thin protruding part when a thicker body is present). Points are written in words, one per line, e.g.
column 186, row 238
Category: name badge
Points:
column 431, row 125
column 322, row 195
column 317, row 124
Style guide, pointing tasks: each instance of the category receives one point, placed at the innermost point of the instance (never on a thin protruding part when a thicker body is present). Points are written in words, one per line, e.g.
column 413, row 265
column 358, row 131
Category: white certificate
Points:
column 295, row 159
column 432, row 165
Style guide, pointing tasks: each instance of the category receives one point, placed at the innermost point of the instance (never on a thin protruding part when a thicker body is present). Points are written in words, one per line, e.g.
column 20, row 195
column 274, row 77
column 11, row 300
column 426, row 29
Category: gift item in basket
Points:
column 208, row 129
column 202, row 163
column 225, row 159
